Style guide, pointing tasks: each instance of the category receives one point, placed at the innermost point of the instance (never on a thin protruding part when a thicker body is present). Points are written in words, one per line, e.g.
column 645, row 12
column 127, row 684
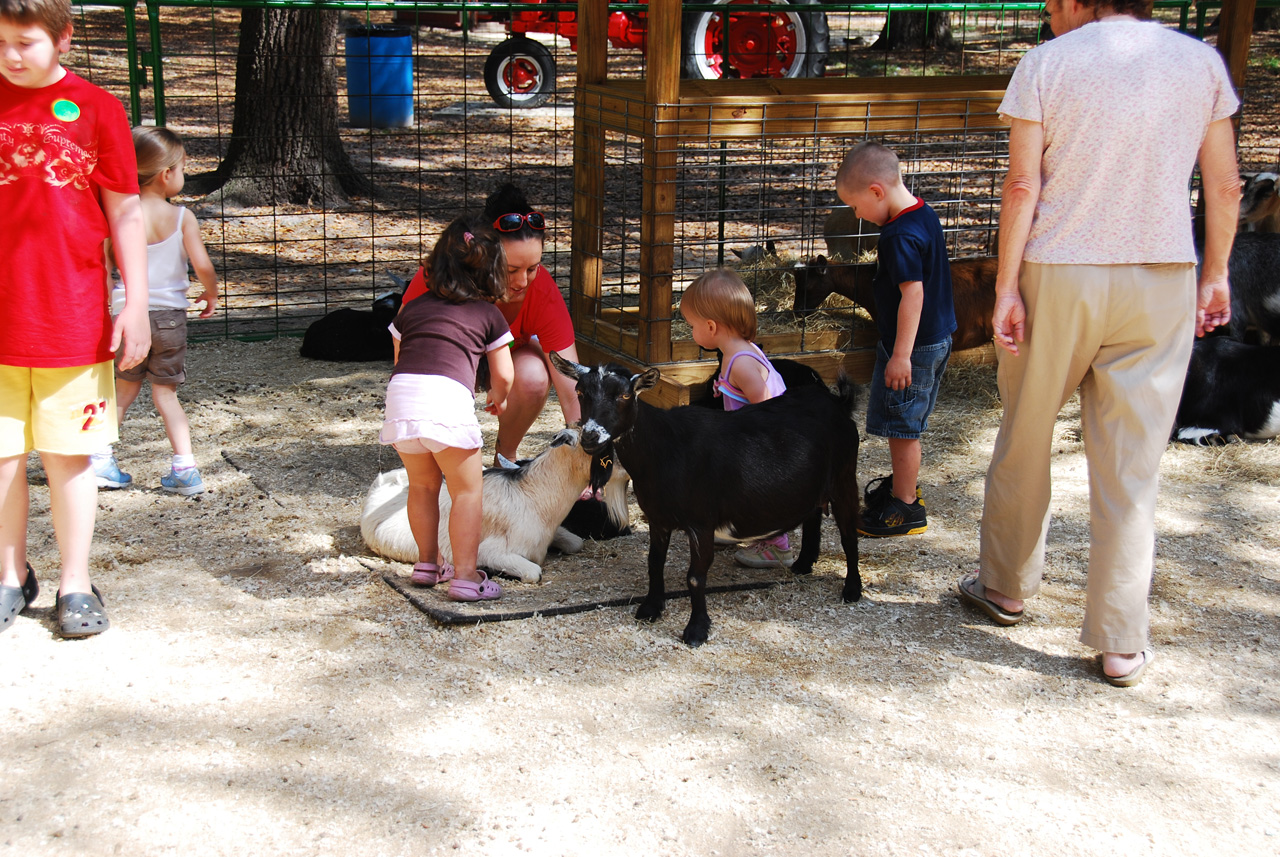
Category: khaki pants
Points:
column 1122, row 334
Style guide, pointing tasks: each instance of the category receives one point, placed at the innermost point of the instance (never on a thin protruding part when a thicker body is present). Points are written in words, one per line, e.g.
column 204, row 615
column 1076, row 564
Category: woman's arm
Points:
column 1018, row 202
column 1220, row 184
column 566, row 388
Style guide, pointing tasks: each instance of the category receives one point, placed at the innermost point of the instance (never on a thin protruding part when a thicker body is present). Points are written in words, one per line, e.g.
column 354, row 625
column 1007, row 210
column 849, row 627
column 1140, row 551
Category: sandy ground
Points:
column 261, row 691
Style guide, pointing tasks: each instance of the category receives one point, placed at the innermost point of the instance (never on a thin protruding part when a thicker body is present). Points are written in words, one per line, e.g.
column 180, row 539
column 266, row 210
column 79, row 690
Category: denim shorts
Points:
column 905, row 413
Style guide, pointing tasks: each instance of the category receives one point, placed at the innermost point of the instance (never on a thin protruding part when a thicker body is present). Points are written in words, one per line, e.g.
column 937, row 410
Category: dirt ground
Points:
column 262, row 691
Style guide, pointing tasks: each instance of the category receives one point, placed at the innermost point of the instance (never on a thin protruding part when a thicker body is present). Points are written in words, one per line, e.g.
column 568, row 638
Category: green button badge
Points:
column 67, row 111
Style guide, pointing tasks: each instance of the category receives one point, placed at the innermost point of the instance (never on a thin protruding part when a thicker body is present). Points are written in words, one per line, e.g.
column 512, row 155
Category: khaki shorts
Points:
column 165, row 363
column 69, row 411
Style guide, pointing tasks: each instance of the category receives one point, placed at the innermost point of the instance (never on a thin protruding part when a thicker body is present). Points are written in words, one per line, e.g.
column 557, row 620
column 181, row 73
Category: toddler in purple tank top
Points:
column 722, row 314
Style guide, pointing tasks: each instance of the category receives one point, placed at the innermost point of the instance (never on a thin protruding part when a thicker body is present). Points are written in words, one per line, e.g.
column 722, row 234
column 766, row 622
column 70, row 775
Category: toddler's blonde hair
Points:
column 158, row 149
column 721, row 296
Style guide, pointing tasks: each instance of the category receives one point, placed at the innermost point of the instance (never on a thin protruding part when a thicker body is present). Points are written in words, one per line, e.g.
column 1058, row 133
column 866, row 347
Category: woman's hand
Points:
column 1213, row 304
column 1009, row 320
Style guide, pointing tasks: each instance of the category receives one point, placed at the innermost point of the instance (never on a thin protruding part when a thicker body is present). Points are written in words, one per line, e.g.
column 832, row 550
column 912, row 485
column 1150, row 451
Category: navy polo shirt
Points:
column 912, row 247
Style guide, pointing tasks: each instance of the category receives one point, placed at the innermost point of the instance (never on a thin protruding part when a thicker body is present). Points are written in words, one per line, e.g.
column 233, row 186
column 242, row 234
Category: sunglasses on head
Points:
column 512, row 222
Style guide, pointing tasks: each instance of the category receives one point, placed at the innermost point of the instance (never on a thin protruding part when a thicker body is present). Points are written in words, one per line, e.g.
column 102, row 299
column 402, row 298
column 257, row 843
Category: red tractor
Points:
column 750, row 38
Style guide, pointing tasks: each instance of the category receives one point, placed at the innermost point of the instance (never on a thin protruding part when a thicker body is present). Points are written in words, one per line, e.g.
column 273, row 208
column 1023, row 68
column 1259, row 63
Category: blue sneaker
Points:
column 109, row 475
column 185, row 482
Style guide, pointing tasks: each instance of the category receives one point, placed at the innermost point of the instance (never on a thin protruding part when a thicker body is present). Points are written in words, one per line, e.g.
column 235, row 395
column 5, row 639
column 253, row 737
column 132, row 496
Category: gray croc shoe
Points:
column 15, row 599
column 81, row 615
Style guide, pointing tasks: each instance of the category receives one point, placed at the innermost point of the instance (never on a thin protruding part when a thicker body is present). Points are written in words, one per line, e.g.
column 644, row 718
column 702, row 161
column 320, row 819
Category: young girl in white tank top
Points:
column 173, row 241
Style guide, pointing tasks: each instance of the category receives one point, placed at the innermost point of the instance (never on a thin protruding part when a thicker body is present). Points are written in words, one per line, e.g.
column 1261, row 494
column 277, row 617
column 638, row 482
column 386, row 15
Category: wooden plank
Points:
column 815, row 90
column 593, row 41
column 683, row 383
column 585, row 258
column 658, row 181
column 1235, row 31
column 757, row 90
column 751, row 108
column 670, row 390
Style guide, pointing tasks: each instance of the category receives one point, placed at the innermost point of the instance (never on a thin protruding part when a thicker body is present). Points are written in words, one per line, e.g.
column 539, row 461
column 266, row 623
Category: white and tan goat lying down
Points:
column 523, row 509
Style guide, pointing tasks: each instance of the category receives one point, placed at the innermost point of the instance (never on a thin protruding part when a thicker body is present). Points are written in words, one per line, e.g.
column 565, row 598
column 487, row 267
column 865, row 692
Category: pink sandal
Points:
column 429, row 574
column 483, row 589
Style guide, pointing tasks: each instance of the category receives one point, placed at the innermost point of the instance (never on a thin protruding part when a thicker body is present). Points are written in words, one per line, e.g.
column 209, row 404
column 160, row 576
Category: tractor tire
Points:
column 763, row 44
column 520, row 73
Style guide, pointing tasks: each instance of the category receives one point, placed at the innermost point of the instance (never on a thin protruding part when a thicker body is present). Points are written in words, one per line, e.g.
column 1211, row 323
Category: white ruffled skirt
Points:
column 432, row 407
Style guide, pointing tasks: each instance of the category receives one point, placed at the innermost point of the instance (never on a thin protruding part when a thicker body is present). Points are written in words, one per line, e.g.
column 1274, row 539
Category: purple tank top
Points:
column 733, row 398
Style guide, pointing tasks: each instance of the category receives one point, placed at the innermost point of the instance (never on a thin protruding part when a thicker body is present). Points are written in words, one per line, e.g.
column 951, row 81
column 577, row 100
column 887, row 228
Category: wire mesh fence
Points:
column 285, row 262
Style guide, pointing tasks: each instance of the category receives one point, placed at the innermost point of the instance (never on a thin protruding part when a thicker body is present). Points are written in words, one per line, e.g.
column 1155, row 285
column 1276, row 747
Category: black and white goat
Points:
column 352, row 335
column 757, row 471
column 1254, row 272
column 1232, row 389
column 523, row 510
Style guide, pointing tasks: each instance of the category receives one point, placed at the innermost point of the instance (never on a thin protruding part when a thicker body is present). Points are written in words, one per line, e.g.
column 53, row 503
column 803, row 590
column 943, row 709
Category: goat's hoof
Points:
column 696, row 632
column 801, row 568
column 852, row 593
column 647, row 612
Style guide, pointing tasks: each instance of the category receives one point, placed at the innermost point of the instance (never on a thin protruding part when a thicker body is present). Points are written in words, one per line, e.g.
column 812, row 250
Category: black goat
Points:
column 1255, row 290
column 352, row 335
column 758, row 471
column 1232, row 389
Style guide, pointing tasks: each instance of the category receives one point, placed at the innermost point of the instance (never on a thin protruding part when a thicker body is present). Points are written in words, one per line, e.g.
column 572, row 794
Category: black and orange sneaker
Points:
column 879, row 490
column 893, row 518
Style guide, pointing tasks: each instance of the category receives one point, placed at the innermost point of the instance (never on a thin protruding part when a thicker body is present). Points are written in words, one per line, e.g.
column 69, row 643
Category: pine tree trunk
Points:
column 284, row 145
column 910, row 30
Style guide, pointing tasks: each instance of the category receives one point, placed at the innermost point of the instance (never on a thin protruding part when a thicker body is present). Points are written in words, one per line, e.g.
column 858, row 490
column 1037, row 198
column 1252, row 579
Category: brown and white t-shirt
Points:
column 1125, row 105
column 447, row 339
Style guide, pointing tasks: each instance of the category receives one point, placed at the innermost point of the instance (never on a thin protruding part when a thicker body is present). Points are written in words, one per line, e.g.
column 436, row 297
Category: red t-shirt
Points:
column 60, row 146
column 542, row 313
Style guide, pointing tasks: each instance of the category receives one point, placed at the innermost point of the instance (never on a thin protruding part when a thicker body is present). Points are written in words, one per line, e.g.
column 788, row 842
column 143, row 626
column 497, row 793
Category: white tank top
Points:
column 166, row 274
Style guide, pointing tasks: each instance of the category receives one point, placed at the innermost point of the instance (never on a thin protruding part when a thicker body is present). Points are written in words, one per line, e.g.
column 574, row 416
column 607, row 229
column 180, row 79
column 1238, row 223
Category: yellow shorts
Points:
column 69, row 411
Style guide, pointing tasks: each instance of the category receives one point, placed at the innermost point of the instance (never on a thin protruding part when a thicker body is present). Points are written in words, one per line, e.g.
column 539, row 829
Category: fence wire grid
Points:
column 283, row 265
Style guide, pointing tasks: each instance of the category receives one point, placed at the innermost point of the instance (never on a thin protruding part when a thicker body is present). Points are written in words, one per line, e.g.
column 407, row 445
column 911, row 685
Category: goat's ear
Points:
column 646, row 379
column 818, row 261
column 567, row 367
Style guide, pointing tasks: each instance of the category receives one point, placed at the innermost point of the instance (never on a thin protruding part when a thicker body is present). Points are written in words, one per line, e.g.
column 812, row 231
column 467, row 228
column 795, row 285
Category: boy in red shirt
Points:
column 68, row 181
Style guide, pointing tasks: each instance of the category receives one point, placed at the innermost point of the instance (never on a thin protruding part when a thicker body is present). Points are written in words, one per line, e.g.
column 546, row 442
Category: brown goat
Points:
column 973, row 289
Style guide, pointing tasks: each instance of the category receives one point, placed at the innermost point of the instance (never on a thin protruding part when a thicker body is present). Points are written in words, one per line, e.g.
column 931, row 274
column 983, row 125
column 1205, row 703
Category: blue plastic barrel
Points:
column 380, row 76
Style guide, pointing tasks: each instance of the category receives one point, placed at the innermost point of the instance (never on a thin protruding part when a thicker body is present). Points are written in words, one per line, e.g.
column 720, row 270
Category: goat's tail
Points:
column 848, row 394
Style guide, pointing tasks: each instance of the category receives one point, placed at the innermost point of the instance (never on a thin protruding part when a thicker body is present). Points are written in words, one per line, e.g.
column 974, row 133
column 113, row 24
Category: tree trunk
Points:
column 910, row 30
column 284, row 145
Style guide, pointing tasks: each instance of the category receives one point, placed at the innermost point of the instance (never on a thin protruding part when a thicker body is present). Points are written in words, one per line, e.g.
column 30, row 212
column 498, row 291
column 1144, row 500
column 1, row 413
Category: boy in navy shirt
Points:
column 916, row 317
